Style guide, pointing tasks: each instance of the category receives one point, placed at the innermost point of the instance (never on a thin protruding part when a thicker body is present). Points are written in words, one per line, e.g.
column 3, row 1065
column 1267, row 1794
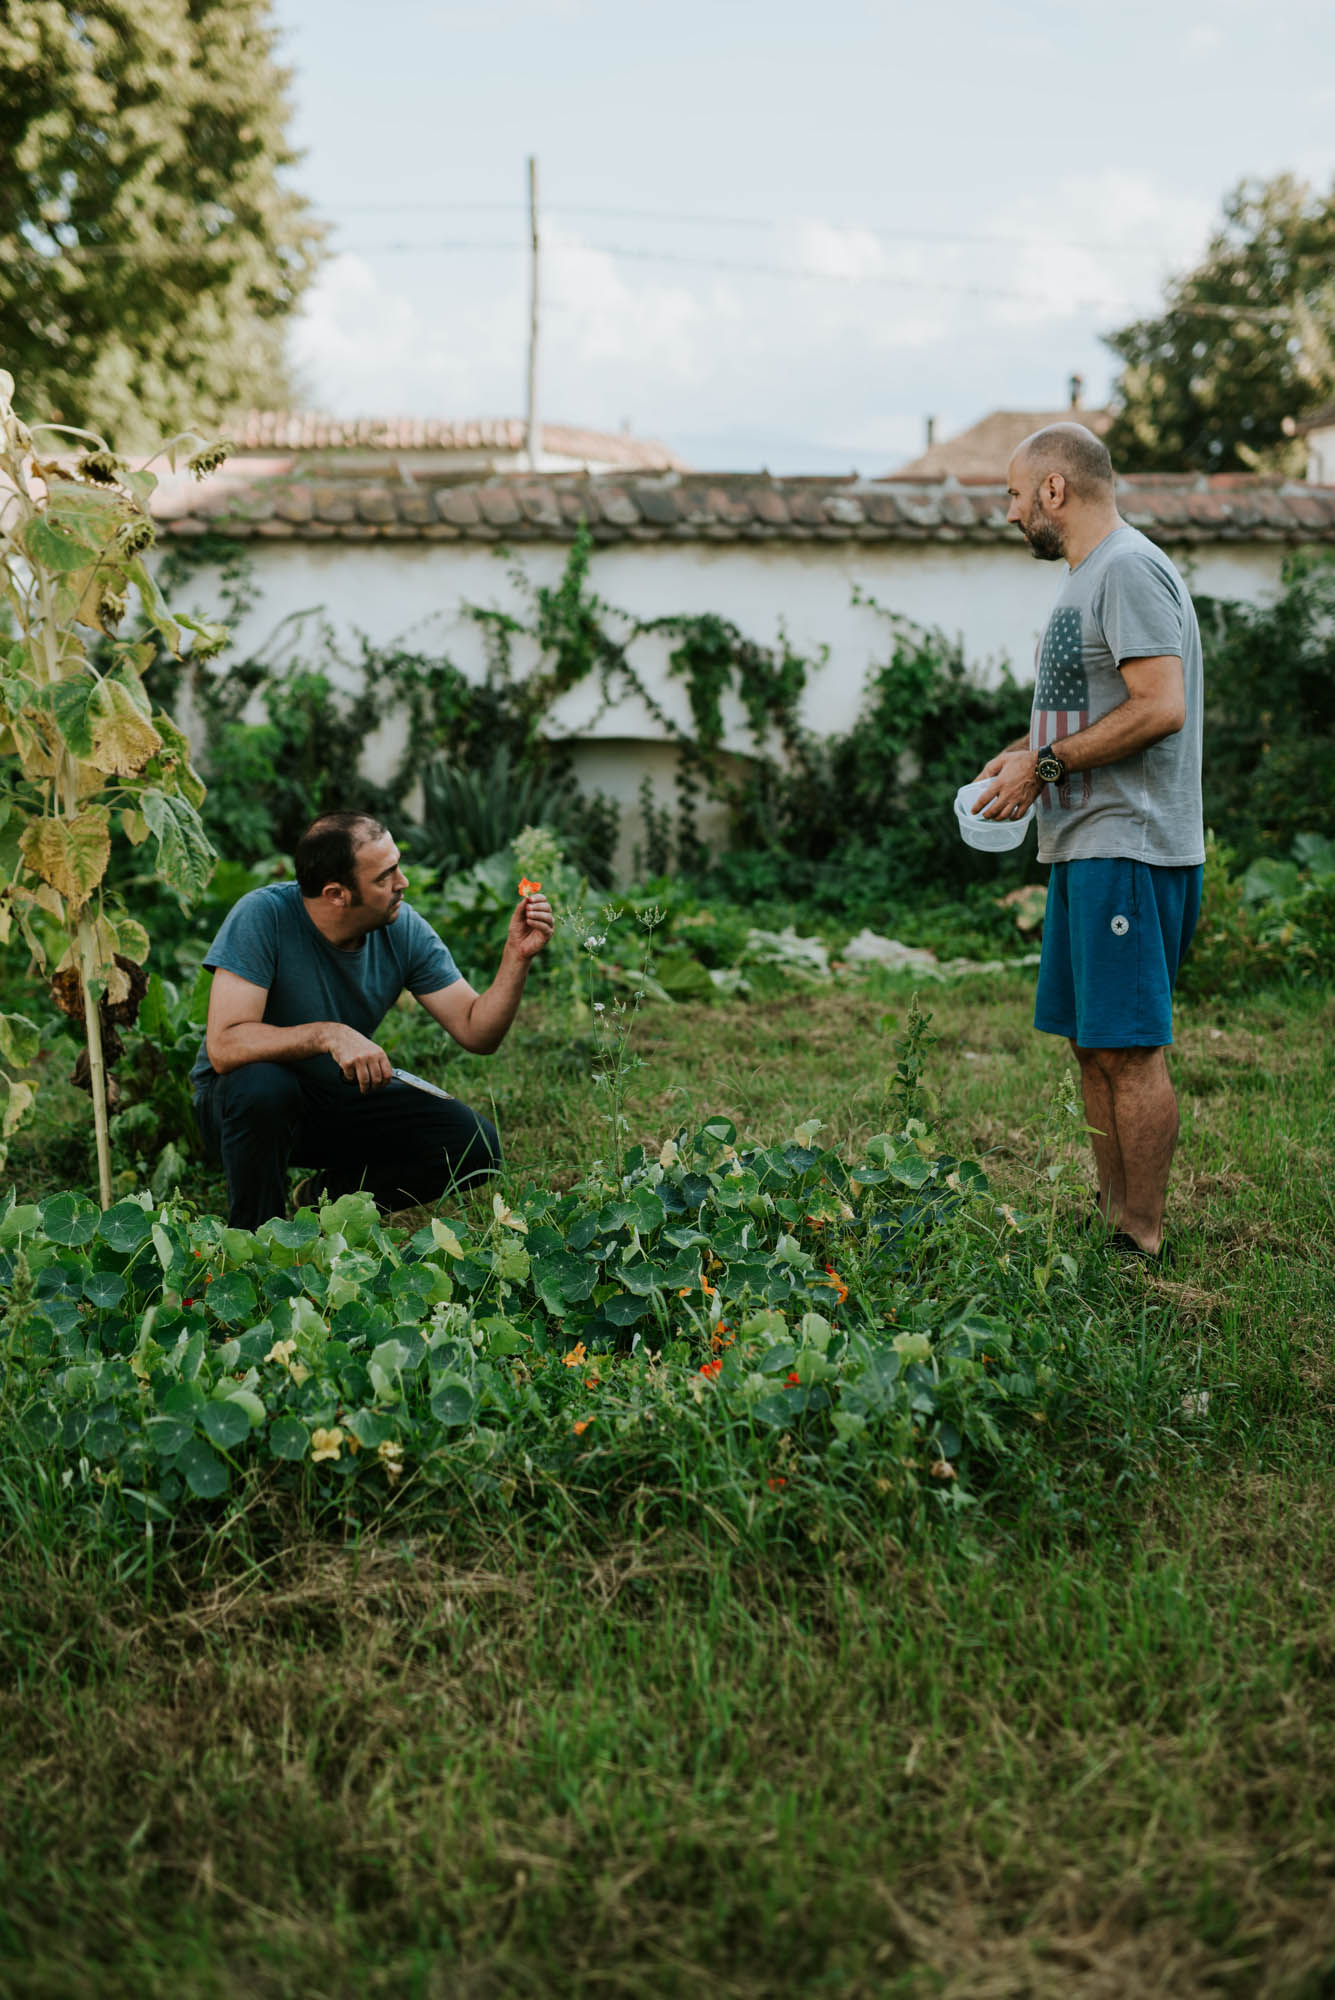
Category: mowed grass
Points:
column 1003, row 1755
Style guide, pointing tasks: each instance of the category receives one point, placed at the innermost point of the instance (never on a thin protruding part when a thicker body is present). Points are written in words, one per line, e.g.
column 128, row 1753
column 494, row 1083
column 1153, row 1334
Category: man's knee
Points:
column 1114, row 1063
column 258, row 1097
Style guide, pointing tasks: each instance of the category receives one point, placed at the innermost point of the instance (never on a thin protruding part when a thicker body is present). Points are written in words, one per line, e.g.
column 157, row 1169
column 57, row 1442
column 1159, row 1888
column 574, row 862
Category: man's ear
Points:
column 1056, row 486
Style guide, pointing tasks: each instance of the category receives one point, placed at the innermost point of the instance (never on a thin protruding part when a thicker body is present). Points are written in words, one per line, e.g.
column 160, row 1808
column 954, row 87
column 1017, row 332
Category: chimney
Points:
column 1077, row 387
column 931, row 432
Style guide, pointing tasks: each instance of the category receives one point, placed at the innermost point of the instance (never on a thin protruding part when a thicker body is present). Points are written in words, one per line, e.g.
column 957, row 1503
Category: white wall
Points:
column 1321, row 456
column 997, row 598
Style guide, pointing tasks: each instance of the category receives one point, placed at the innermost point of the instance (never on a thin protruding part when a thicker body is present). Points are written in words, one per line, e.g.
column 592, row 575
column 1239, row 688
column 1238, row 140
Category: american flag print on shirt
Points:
column 1061, row 699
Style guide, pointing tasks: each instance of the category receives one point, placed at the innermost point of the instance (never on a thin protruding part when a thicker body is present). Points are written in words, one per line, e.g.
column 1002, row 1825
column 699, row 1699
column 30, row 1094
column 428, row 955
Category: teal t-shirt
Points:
column 270, row 940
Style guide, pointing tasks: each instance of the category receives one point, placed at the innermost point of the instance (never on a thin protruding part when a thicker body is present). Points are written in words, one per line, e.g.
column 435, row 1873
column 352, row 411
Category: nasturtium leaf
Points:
column 105, row 1437
column 72, row 1428
column 167, row 1434
column 67, row 1218
column 452, row 1404
column 581, row 1233
column 288, row 1438
column 642, row 1279
column 773, row 1410
column 125, row 1225
column 40, row 1426
column 231, row 1298
column 179, row 1399
column 565, row 1280
column 104, row 1288
column 203, row 1471
column 650, row 1212
column 247, row 1400
column 503, row 1338
column 623, row 1309
column 295, row 1235
column 369, row 1427
column 227, row 1424
column 912, row 1171
column 19, row 1221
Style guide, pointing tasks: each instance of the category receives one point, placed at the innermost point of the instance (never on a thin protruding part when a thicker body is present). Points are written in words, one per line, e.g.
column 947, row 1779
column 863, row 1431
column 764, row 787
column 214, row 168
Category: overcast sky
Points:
column 969, row 195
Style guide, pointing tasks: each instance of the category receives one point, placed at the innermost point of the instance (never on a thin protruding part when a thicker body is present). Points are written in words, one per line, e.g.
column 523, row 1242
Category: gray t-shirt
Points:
column 1125, row 601
column 270, row 940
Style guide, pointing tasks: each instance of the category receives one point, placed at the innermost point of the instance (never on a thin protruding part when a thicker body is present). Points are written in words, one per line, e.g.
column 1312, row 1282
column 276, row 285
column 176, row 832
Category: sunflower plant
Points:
column 82, row 751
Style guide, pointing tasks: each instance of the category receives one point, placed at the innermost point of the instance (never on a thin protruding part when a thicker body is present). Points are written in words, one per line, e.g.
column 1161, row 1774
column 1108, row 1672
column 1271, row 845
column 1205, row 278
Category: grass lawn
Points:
column 999, row 1752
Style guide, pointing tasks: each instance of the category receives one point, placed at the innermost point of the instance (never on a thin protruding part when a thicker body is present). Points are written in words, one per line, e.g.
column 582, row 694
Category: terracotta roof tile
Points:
column 269, row 431
column 714, row 508
column 985, row 449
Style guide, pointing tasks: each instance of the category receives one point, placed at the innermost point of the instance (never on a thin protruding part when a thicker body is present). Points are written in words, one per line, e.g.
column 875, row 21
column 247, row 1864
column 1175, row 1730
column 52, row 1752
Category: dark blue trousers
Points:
column 402, row 1146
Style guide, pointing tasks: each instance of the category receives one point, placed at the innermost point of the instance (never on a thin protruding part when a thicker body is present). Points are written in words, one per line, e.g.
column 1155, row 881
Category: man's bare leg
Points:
column 1133, row 1091
column 1101, row 1119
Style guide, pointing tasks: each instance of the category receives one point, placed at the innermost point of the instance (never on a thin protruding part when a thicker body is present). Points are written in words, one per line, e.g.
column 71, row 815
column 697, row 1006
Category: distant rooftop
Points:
column 984, row 451
column 273, row 432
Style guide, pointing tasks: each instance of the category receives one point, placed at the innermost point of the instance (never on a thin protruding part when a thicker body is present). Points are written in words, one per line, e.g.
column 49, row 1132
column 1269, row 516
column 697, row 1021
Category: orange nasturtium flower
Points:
column 837, row 1282
column 527, row 888
column 794, row 1379
column 582, row 1426
column 712, row 1368
column 576, row 1356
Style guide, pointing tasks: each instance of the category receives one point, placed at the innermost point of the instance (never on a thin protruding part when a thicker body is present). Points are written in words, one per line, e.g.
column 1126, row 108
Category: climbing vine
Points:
column 266, row 778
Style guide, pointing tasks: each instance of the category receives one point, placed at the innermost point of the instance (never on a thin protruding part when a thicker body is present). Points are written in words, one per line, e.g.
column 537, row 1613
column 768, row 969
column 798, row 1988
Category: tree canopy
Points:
column 1245, row 340
column 150, row 251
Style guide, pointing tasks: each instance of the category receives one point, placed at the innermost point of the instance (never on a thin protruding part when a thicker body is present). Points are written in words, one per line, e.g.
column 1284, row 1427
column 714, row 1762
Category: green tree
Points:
column 150, row 252
column 1245, row 340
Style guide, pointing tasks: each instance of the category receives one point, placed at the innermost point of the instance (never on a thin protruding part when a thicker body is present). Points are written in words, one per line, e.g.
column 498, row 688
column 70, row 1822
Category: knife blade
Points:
column 420, row 1083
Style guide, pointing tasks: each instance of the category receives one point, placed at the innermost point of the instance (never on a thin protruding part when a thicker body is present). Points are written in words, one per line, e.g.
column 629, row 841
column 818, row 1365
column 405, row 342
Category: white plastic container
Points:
column 992, row 836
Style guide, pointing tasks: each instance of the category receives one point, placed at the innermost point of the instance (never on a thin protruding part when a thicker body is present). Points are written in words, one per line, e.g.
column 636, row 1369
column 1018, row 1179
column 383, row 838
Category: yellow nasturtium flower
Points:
column 327, row 1444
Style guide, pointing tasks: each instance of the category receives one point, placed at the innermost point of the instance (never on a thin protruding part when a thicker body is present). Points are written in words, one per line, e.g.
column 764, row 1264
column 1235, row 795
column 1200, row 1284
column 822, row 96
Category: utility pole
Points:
column 532, row 440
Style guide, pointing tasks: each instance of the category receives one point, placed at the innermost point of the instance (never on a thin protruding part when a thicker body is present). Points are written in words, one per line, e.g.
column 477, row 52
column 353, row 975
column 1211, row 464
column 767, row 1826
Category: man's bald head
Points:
column 1073, row 451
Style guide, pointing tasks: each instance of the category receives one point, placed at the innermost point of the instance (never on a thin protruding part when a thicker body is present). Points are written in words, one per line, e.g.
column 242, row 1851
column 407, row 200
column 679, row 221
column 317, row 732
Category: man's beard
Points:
column 1044, row 537
column 358, row 902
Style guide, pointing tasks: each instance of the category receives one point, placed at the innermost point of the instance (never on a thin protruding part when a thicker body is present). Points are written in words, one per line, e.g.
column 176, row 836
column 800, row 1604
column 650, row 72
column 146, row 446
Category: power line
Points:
column 167, row 253
column 675, row 217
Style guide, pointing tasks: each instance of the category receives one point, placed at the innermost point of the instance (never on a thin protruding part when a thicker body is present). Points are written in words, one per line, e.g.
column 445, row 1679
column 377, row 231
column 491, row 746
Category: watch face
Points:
column 1050, row 769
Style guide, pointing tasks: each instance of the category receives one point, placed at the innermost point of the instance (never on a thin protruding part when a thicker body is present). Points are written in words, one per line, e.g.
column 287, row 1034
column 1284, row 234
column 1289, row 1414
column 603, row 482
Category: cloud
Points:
column 766, row 365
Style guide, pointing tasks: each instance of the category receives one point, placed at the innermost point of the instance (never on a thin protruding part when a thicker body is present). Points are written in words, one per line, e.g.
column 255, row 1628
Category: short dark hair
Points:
column 1081, row 458
column 327, row 851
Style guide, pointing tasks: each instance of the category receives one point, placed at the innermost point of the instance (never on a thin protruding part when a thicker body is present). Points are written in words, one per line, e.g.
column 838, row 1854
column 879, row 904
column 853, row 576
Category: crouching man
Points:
column 290, row 1073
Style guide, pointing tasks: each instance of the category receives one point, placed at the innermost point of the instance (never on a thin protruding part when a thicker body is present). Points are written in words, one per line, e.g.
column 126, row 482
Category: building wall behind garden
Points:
column 402, row 585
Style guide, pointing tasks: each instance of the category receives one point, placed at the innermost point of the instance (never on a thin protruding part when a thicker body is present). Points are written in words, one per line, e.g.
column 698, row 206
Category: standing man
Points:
column 303, row 974
column 1113, row 758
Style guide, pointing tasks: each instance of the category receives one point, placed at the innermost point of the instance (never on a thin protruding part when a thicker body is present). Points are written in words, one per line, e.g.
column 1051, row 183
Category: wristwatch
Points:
column 1049, row 770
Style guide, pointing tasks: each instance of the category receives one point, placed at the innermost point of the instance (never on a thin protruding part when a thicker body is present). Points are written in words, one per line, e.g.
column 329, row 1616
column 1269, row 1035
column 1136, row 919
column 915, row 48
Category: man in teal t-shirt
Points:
column 289, row 1071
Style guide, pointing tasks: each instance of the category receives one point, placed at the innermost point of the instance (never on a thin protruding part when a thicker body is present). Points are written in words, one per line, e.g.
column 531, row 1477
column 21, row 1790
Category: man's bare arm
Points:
column 479, row 1022
column 237, row 1033
column 1155, row 707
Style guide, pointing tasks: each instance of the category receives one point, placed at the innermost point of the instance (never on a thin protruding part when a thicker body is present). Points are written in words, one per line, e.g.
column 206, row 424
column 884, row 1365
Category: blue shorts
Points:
column 1114, row 935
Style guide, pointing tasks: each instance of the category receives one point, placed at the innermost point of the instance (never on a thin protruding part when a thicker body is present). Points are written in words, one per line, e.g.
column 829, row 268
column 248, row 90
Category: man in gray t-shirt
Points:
column 303, row 974
column 1113, row 762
